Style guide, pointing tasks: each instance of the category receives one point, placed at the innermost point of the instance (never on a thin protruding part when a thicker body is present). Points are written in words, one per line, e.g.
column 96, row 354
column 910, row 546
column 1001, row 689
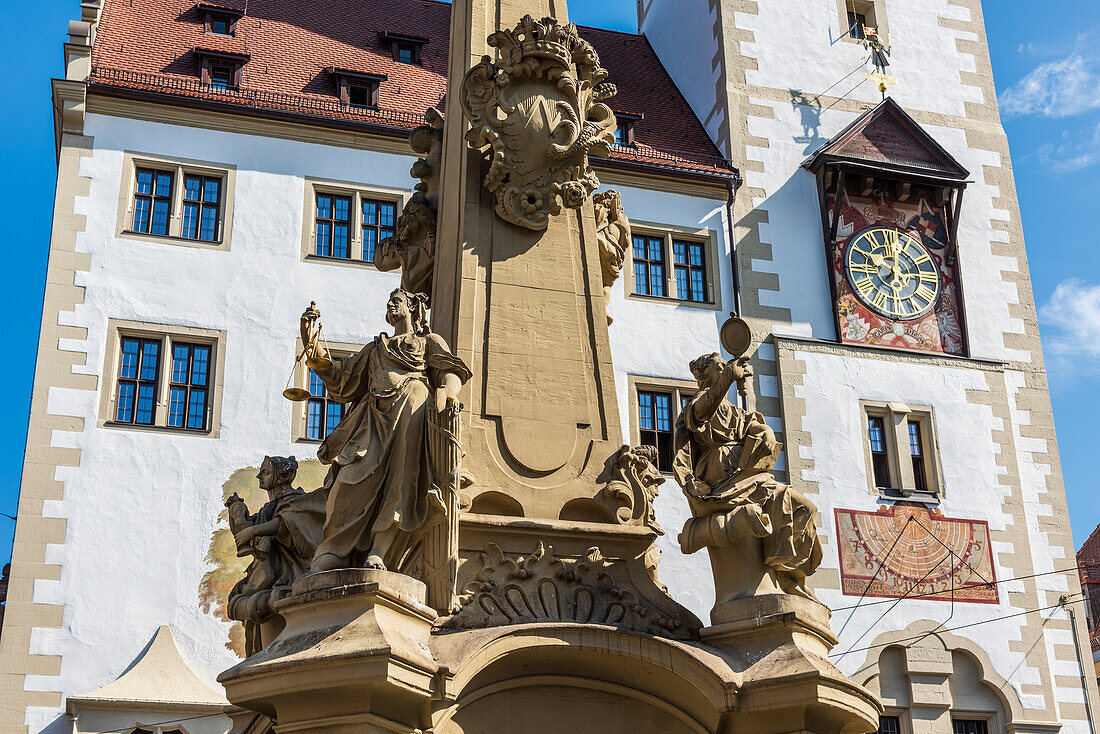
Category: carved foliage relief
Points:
column 541, row 588
column 539, row 110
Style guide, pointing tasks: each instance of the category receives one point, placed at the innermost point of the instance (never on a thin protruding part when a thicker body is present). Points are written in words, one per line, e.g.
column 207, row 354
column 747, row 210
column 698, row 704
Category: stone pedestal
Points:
column 354, row 657
column 780, row 643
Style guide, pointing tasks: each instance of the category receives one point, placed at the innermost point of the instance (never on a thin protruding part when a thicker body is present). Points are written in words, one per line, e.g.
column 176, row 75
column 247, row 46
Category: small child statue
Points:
column 281, row 538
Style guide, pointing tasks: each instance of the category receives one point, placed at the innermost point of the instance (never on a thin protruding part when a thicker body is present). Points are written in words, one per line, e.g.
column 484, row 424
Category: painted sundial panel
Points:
column 911, row 551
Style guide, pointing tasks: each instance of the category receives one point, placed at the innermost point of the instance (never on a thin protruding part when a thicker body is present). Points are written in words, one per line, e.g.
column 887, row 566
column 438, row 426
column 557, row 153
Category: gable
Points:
column 887, row 137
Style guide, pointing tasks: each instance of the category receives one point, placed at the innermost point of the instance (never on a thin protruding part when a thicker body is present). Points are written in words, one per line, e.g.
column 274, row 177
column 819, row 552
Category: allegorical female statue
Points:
column 381, row 481
column 281, row 537
column 761, row 534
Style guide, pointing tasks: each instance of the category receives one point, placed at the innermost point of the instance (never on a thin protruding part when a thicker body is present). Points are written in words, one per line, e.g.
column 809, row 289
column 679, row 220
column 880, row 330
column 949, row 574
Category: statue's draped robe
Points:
column 278, row 559
column 728, row 457
column 381, row 470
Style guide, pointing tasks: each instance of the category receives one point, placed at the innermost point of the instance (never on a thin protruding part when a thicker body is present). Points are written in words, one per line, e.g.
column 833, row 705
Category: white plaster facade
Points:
column 736, row 62
column 789, row 80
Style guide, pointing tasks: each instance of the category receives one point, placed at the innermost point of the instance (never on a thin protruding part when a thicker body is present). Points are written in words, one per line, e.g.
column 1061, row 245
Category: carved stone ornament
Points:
column 634, row 486
column 614, row 237
column 412, row 247
column 540, row 588
column 538, row 108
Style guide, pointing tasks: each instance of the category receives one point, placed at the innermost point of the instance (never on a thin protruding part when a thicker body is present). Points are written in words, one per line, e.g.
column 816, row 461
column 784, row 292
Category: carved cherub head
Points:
column 277, row 472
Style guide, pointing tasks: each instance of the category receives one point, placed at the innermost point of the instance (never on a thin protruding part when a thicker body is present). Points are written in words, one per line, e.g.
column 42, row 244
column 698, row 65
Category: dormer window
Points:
column 405, row 49
column 220, row 70
column 356, row 89
column 624, row 129
column 219, row 21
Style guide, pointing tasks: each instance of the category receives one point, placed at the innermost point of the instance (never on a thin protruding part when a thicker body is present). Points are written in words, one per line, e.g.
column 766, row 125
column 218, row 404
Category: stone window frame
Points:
column 678, row 388
column 902, row 715
column 180, row 167
column 896, row 417
column 357, row 192
column 707, row 237
column 873, row 9
column 991, row 720
column 299, row 422
column 167, row 334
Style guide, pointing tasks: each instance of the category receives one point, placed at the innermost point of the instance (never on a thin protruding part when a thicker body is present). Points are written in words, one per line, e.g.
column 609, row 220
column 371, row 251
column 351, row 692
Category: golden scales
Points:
column 313, row 355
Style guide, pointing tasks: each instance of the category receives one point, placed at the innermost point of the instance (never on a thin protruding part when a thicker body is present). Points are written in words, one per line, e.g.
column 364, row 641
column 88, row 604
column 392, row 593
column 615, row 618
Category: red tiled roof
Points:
column 147, row 47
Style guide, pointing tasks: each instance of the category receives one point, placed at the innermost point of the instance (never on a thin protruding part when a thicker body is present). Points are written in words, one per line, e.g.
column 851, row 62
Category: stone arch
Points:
column 670, row 686
column 940, row 654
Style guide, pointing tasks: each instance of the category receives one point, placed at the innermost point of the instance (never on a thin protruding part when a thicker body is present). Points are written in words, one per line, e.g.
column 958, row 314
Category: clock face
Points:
column 892, row 273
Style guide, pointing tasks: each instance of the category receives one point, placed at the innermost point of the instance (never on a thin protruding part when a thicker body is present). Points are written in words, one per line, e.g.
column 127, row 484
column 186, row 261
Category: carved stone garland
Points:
column 540, row 588
column 539, row 109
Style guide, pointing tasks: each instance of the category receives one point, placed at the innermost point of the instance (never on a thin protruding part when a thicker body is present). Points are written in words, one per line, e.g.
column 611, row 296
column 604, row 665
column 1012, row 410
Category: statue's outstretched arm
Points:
column 704, row 406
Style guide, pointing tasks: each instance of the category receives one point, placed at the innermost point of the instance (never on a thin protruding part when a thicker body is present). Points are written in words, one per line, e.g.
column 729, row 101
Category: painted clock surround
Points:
column 940, row 328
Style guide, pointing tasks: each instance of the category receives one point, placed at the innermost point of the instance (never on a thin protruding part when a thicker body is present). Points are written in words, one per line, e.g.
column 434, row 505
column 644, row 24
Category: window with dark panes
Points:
column 970, row 726
column 406, row 53
column 138, row 371
column 655, row 425
column 856, row 22
column 880, row 458
column 221, row 76
column 624, row 132
column 221, row 24
column 333, row 238
column 691, row 273
column 363, row 95
column 201, row 203
column 889, row 725
column 379, row 218
column 916, row 450
column 152, row 201
column 189, row 387
column 649, row 265
column 322, row 413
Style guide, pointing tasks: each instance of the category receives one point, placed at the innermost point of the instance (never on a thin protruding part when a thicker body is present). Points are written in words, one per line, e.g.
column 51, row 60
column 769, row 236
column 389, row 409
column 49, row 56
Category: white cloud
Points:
column 1071, row 328
column 1072, row 154
column 1056, row 88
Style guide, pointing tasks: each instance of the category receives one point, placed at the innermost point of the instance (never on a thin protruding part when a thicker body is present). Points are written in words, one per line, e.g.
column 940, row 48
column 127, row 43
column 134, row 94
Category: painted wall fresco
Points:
column 908, row 550
column 941, row 329
column 225, row 568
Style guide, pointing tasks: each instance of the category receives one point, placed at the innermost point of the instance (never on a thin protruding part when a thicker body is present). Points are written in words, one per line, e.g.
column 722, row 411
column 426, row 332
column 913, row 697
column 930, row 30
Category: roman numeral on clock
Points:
column 926, row 293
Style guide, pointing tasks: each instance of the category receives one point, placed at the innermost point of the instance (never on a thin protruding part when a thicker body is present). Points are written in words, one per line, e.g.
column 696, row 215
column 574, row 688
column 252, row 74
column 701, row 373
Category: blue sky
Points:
column 1048, row 78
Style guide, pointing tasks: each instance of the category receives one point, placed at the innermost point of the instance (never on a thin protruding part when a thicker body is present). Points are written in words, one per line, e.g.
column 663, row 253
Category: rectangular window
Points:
column 189, row 386
column 201, row 203
column 333, row 237
column 624, row 131
column 880, row 457
column 220, row 24
column 969, row 726
column 889, row 725
column 138, row 374
column 379, row 218
column 221, row 76
column 363, row 95
column 856, row 22
column 691, row 274
column 322, row 413
column 152, row 201
column 916, row 451
column 649, row 265
column 655, row 422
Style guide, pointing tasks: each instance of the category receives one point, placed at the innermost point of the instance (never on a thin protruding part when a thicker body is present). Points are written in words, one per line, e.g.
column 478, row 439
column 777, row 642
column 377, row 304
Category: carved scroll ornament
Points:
column 633, row 487
column 539, row 109
column 541, row 588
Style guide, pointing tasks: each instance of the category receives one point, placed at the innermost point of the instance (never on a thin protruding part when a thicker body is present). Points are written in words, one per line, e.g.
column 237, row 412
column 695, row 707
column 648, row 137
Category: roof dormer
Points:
column 406, row 49
column 218, row 19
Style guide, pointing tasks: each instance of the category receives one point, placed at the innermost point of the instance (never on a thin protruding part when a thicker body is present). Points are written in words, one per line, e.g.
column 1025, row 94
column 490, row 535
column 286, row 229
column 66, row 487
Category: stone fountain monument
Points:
column 485, row 563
